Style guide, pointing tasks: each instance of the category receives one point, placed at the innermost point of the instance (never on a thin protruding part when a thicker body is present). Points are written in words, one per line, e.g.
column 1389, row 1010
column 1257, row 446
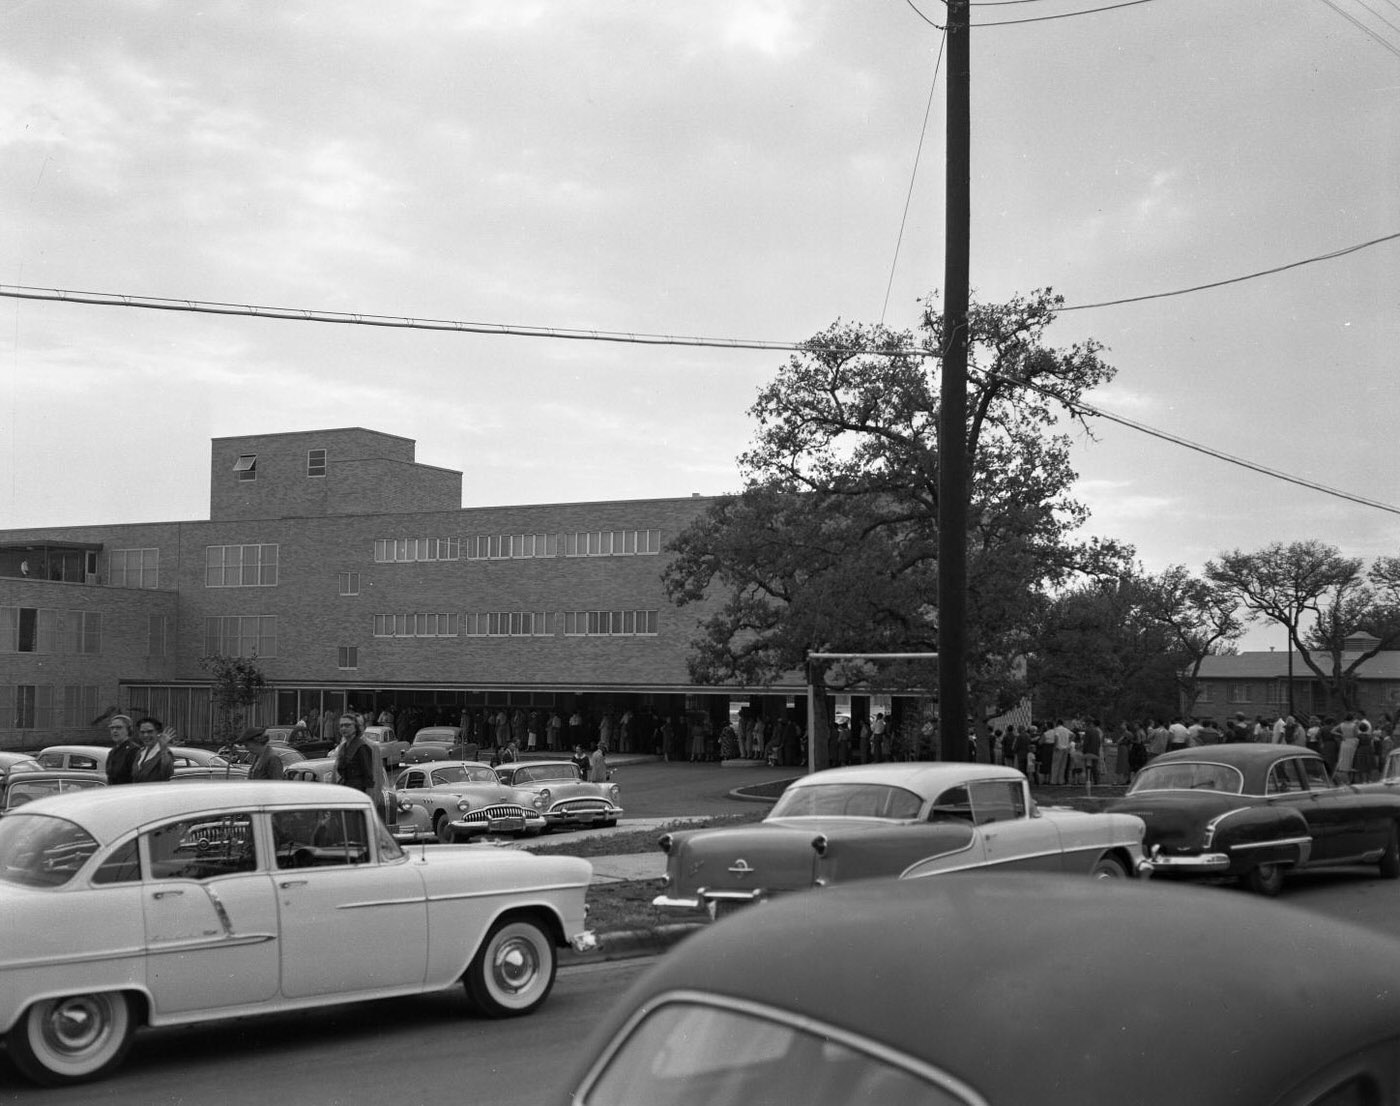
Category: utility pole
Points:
column 952, row 421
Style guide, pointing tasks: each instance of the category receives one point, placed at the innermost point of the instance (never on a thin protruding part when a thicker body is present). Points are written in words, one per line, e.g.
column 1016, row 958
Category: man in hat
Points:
column 266, row 765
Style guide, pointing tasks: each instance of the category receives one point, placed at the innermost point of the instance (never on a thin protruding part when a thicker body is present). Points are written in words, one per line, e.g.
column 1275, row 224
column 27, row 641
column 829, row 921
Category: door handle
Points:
column 292, row 883
column 167, row 894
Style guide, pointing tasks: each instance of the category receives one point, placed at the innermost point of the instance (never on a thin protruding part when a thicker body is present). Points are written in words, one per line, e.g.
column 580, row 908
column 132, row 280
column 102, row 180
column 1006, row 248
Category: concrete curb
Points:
column 629, row 944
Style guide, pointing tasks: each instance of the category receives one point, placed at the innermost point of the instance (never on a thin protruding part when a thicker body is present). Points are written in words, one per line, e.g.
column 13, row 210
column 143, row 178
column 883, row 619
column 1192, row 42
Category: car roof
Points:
column 433, row 765
column 109, row 812
column 1236, row 754
column 9, row 760
column 976, row 974
column 925, row 776
column 61, row 774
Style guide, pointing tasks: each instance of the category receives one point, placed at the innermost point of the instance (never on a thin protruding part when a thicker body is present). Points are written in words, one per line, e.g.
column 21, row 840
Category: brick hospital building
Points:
column 356, row 578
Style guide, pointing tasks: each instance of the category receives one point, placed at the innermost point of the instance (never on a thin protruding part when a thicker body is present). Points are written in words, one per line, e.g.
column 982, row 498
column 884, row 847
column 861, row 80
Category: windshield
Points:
column 39, row 850
column 848, row 800
column 546, row 772
column 460, row 773
column 1186, row 775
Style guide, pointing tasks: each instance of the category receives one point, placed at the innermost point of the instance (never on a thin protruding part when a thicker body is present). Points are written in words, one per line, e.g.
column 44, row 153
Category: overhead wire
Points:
column 913, row 175
column 1364, row 29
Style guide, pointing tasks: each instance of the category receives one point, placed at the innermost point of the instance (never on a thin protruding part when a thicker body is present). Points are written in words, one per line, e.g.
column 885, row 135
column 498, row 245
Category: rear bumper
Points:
column 706, row 902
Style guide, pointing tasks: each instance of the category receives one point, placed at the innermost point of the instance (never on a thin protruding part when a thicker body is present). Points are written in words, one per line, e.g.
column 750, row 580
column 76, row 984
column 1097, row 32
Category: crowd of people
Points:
column 1082, row 750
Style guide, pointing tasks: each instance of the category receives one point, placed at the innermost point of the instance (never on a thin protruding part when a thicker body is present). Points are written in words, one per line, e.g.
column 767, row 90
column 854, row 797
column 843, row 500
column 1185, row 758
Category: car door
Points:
column 1011, row 839
column 210, row 914
column 349, row 923
column 1354, row 820
column 1286, row 787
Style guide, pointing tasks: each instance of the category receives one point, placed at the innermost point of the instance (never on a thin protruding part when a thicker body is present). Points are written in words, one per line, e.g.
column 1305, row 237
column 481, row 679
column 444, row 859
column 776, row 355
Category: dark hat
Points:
column 252, row 733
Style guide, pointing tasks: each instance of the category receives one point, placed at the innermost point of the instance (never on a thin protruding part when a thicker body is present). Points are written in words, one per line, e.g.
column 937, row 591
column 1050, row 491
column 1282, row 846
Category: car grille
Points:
column 500, row 810
column 579, row 806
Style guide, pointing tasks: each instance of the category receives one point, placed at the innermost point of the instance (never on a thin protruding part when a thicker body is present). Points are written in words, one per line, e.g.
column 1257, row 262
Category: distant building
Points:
column 1256, row 683
column 357, row 579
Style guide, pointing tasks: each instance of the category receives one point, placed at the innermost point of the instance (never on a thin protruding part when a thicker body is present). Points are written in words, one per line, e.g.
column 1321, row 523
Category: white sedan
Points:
column 190, row 902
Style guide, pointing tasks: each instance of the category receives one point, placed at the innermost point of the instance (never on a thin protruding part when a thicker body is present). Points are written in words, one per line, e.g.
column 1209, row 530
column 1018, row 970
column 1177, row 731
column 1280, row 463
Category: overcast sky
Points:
column 725, row 168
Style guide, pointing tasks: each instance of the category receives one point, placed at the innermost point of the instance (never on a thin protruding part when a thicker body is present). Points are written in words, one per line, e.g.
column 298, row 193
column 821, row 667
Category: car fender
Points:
column 1259, row 834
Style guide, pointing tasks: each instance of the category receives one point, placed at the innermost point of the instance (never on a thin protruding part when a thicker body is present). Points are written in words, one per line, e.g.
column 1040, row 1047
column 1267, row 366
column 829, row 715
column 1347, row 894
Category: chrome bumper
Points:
column 586, row 941
column 1205, row 863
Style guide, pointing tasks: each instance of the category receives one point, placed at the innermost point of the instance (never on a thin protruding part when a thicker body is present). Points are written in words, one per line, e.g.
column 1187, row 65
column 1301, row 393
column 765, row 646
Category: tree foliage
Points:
column 1132, row 646
column 1321, row 598
column 832, row 545
column 236, row 683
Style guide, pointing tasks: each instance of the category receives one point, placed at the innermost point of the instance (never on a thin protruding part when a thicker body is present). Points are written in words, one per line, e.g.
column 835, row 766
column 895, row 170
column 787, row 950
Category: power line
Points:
column 1239, row 279
column 1365, row 29
column 1032, row 19
column 1142, row 428
column 913, row 174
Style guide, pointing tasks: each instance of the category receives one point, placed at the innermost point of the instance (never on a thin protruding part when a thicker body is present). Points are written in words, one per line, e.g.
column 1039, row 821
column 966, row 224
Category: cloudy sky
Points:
column 726, row 169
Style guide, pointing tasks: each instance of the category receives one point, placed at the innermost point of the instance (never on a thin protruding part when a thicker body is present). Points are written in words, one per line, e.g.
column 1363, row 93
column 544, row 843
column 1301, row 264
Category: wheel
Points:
column 1109, row 867
column 513, row 971
column 72, row 1039
column 443, row 828
column 1265, row 879
column 1390, row 859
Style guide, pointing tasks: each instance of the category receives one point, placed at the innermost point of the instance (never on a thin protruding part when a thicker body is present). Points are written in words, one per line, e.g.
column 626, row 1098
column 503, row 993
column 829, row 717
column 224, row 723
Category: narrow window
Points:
column 348, row 656
column 316, row 464
column 247, row 466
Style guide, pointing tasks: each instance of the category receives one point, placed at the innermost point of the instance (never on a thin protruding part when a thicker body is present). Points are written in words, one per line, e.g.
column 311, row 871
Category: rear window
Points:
column 1188, row 775
column 848, row 800
column 683, row 1053
column 39, row 850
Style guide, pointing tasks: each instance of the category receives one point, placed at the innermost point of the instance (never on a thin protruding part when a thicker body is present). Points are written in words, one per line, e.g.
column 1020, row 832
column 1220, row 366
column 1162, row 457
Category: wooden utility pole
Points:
column 952, row 422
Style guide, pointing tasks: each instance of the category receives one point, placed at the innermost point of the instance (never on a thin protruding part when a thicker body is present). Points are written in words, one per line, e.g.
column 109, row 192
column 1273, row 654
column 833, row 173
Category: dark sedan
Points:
column 998, row 990
column 1255, row 812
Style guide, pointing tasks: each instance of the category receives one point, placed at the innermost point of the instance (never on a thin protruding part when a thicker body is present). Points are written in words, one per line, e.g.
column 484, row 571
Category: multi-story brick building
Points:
column 356, row 578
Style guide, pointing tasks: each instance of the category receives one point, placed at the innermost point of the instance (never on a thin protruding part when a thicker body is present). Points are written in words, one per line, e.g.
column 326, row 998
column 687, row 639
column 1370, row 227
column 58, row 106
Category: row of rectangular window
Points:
column 43, row 707
column 49, row 630
column 240, row 566
column 255, row 565
column 594, row 543
column 519, row 624
column 394, row 550
column 256, row 635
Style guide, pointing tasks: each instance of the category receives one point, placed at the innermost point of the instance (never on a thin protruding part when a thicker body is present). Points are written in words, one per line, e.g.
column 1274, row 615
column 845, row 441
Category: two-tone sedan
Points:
column 892, row 821
column 190, row 902
column 566, row 799
column 457, row 800
column 1255, row 811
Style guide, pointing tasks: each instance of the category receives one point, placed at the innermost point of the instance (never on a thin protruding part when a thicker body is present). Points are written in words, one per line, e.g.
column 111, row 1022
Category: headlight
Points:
column 543, row 797
column 405, row 806
column 464, row 805
column 540, row 802
column 665, row 842
column 615, row 792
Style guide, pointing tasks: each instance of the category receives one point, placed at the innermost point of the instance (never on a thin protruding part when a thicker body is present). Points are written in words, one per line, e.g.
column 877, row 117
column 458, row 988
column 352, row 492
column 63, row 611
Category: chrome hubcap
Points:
column 517, row 965
column 75, row 1025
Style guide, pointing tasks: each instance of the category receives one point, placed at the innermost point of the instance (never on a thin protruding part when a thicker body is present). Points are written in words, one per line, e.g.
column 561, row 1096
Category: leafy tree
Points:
column 1321, row 598
column 1201, row 618
column 1100, row 652
column 832, row 545
column 236, row 684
